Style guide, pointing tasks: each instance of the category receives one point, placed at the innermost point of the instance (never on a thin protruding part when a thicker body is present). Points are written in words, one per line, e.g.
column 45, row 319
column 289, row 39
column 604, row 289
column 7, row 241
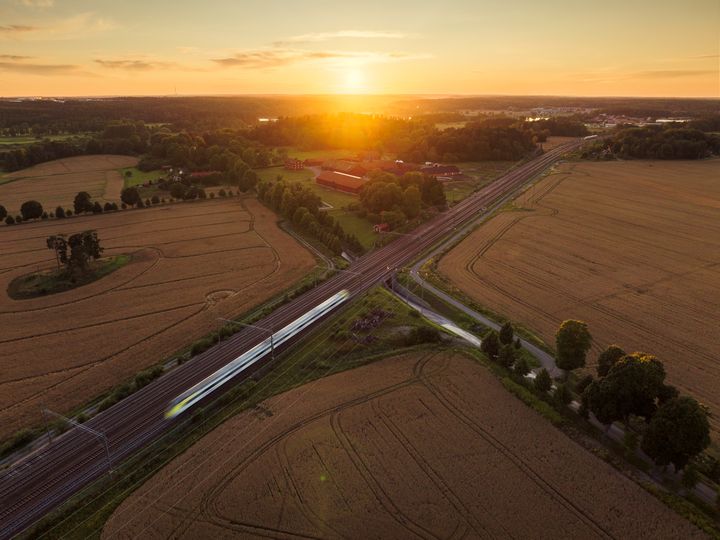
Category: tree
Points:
column 3, row 212
column 9, row 220
column 84, row 246
column 583, row 383
column 562, row 395
column 679, row 431
column 490, row 345
column 691, row 476
column 631, row 387
column 107, row 207
column 412, row 202
column 31, row 210
column 521, row 367
column 608, row 358
column 506, row 356
column 82, row 203
column 518, row 343
column 58, row 243
column 506, row 333
column 130, row 196
column 572, row 342
column 543, row 382
column 59, row 212
column 97, row 209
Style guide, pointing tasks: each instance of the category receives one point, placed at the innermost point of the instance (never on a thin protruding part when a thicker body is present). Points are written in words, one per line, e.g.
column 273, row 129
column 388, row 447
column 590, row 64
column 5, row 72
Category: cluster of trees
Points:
column 503, row 347
column 394, row 199
column 416, row 140
column 75, row 252
column 656, row 142
column 634, row 385
column 628, row 385
column 562, row 126
column 302, row 206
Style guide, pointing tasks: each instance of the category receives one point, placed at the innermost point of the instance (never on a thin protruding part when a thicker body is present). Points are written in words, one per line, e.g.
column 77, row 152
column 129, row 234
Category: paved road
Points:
column 53, row 474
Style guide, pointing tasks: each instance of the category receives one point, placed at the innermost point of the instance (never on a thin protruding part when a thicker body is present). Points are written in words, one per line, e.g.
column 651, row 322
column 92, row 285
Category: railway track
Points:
column 50, row 476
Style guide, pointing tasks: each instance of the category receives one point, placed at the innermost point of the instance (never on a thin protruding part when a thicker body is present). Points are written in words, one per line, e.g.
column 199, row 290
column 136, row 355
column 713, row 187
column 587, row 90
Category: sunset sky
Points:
column 562, row 47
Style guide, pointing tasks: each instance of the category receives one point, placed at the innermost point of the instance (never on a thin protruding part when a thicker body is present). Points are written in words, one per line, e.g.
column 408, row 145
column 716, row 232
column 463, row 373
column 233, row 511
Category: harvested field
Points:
column 56, row 183
column 191, row 263
column 633, row 248
column 406, row 447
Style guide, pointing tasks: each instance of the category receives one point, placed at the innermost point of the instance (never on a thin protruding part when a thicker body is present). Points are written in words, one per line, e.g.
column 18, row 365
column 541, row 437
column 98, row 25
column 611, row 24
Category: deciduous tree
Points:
column 31, row 210
column 82, row 203
column 678, row 431
column 490, row 345
column 573, row 342
column 506, row 333
column 608, row 359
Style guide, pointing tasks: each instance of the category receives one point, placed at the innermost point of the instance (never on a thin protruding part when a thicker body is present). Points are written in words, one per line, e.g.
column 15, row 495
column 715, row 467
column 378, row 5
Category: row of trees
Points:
column 628, row 385
column 302, row 206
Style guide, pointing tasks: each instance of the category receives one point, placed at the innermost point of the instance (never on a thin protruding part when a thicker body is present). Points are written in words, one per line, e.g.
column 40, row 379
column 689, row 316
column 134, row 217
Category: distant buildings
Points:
column 292, row 164
column 438, row 170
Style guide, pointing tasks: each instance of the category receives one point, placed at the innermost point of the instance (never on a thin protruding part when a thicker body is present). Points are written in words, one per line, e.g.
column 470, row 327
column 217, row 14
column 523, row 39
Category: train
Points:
column 211, row 383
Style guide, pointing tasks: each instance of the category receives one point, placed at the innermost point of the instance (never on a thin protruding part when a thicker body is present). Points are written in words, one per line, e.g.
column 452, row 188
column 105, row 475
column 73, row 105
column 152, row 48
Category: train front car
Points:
column 211, row 383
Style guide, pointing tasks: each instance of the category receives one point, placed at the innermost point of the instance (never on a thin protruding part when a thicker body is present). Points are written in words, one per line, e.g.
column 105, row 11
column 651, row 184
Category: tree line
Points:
column 415, row 140
column 655, row 142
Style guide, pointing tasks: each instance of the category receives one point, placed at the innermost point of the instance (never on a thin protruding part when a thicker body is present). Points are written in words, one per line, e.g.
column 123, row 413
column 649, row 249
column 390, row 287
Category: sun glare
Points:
column 353, row 81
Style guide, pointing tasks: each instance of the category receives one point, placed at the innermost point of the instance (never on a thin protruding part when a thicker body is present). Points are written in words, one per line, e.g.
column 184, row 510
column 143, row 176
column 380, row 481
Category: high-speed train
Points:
column 211, row 383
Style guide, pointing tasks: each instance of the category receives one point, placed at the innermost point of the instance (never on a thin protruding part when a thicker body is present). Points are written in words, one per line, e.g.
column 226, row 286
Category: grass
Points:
column 319, row 154
column 25, row 140
column 56, row 281
column 328, row 349
column 360, row 227
column 139, row 177
column 479, row 173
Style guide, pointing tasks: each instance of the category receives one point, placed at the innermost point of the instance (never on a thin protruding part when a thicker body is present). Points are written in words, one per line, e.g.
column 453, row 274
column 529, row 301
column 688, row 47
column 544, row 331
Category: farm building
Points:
column 292, row 164
column 313, row 162
column 340, row 181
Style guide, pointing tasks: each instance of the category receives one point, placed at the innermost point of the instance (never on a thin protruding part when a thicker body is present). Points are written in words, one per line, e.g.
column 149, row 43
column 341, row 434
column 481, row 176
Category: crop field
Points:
column 56, row 183
column 405, row 447
column 632, row 248
column 190, row 264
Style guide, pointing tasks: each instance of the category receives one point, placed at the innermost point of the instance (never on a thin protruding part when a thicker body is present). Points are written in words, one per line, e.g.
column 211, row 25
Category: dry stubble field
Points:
column 633, row 248
column 56, row 183
column 191, row 263
column 423, row 445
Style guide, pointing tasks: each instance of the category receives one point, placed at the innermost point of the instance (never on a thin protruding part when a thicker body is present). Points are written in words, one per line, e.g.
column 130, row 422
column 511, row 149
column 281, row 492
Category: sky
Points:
column 471, row 47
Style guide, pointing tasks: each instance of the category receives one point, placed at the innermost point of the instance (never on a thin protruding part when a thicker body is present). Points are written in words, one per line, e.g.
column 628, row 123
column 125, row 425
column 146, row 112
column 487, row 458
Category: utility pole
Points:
column 87, row 429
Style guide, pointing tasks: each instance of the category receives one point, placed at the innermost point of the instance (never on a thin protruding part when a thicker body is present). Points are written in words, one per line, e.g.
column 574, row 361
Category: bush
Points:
column 44, row 215
column 423, row 334
column 68, row 212
column 521, row 366
column 107, row 207
column 200, row 346
column 18, row 219
column 543, row 382
column 562, row 395
column 690, row 477
column 123, row 206
column 583, row 383
column 155, row 199
column 147, row 202
column 59, row 212
column 10, row 220
column 212, row 194
column 96, row 208
column 222, row 193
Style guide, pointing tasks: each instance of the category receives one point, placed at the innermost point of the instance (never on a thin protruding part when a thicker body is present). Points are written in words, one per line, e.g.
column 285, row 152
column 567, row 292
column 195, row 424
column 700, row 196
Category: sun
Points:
column 353, row 81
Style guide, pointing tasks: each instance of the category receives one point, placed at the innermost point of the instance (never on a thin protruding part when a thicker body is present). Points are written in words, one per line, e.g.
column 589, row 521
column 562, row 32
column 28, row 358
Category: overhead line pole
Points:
column 93, row 432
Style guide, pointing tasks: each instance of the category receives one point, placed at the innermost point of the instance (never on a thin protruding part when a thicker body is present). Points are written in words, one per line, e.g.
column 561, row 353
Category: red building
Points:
column 292, row 164
column 340, row 181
